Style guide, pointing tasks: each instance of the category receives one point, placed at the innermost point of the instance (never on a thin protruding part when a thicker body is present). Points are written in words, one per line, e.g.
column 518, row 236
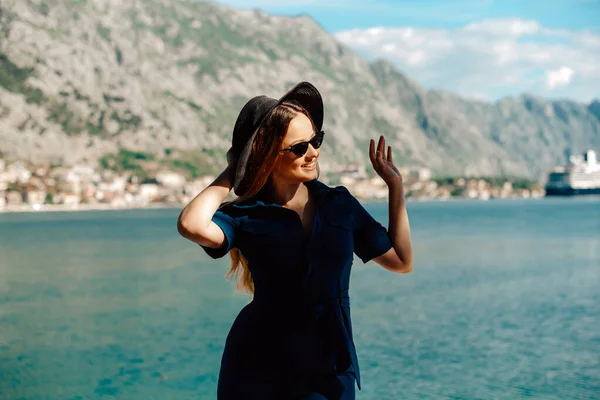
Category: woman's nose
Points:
column 312, row 152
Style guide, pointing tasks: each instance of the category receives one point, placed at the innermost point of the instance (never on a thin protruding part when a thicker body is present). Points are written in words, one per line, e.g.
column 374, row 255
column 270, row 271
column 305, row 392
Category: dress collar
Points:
column 314, row 186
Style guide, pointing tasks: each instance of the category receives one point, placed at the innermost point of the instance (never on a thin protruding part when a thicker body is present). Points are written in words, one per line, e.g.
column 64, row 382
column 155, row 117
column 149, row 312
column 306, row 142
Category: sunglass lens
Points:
column 317, row 140
column 300, row 149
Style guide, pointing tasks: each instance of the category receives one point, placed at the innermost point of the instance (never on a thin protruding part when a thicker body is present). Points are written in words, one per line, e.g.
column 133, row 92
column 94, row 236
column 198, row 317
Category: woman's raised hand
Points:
column 383, row 164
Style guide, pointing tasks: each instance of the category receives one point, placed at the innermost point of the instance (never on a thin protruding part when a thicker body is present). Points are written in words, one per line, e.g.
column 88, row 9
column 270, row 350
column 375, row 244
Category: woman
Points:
column 291, row 240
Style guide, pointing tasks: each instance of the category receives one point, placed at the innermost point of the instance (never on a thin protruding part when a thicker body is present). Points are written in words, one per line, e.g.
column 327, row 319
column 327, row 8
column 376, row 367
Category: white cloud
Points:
column 509, row 26
column 491, row 58
column 559, row 77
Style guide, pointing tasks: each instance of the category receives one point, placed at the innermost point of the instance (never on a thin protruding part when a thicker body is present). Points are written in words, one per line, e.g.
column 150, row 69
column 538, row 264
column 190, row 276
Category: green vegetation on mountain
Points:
column 13, row 79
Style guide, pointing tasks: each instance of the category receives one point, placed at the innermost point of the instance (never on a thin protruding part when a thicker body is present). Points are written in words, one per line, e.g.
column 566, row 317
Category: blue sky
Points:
column 338, row 15
column 483, row 49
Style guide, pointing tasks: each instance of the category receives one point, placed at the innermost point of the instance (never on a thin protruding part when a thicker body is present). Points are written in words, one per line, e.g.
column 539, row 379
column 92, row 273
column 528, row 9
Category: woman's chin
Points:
column 309, row 172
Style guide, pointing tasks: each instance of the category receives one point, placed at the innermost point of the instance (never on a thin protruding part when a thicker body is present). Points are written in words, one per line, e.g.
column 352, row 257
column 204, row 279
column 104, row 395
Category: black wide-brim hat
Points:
column 255, row 112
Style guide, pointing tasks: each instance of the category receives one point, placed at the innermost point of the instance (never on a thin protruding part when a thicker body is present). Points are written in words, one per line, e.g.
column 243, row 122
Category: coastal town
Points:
column 26, row 186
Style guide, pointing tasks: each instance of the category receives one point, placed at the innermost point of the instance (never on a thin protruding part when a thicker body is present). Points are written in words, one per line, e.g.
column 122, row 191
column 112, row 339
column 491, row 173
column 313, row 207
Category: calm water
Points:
column 504, row 303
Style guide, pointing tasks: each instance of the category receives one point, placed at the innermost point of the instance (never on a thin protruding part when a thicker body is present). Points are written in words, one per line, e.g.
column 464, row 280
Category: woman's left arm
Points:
column 399, row 258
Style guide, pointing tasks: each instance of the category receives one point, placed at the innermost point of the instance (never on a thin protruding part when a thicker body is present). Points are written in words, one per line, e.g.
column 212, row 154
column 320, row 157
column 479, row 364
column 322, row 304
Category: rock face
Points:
column 83, row 78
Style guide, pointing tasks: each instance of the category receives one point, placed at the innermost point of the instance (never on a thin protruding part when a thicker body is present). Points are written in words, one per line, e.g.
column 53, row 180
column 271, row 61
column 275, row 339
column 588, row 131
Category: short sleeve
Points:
column 370, row 237
column 229, row 226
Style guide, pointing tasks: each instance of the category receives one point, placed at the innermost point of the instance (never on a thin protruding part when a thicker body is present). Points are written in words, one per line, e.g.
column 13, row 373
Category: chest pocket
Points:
column 264, row 239
column 264, row 232
column 336, row 241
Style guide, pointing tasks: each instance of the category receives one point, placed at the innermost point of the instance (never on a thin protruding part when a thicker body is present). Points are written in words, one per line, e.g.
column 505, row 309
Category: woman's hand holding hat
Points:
column 231, row 165
column 231, row 158
column 383, row 164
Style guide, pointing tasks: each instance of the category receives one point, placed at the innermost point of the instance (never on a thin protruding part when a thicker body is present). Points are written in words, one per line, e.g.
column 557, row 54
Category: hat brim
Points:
column 308, row 97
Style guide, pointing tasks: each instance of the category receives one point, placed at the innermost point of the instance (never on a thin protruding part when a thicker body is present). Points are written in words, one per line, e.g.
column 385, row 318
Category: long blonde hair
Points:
column 264, row 159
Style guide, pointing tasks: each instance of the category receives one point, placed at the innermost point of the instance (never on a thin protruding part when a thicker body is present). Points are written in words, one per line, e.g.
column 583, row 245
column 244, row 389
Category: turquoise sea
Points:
column 504, row 303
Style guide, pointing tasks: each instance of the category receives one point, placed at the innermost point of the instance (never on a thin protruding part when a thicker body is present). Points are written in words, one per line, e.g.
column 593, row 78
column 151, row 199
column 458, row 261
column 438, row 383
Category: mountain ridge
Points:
column 80, row 79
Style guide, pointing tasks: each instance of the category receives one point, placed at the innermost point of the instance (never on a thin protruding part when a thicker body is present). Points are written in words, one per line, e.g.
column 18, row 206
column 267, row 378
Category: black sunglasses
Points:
column 301, row 148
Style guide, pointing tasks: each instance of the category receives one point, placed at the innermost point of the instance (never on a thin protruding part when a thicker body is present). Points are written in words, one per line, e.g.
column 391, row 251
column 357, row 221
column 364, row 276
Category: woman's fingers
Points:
column 378, row 156
column 379, row 148
column 372, row 151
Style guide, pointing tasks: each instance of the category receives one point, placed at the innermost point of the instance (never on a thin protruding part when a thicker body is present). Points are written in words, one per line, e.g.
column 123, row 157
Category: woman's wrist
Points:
column 396, row 188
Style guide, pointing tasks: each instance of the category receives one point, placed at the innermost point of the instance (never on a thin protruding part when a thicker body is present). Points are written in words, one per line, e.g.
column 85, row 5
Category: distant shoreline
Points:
column 43, row 208
column 85, row 207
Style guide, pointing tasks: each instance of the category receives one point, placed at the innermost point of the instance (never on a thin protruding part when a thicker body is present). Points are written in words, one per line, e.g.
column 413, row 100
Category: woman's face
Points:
column 294, row 168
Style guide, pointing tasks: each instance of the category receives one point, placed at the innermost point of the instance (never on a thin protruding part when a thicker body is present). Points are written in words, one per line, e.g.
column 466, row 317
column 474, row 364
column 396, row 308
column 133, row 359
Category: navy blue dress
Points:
column 294, row 339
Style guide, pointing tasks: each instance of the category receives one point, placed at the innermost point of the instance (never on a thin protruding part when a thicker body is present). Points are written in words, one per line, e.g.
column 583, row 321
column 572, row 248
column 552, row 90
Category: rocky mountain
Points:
column 81, row 79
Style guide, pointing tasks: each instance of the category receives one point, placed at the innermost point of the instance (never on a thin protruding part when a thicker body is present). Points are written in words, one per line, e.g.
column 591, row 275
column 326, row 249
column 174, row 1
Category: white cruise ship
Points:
column 581, row 175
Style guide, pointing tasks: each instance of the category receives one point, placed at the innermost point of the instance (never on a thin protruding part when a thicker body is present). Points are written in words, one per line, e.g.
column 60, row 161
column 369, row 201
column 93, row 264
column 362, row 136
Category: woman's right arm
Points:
column 195, row 221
